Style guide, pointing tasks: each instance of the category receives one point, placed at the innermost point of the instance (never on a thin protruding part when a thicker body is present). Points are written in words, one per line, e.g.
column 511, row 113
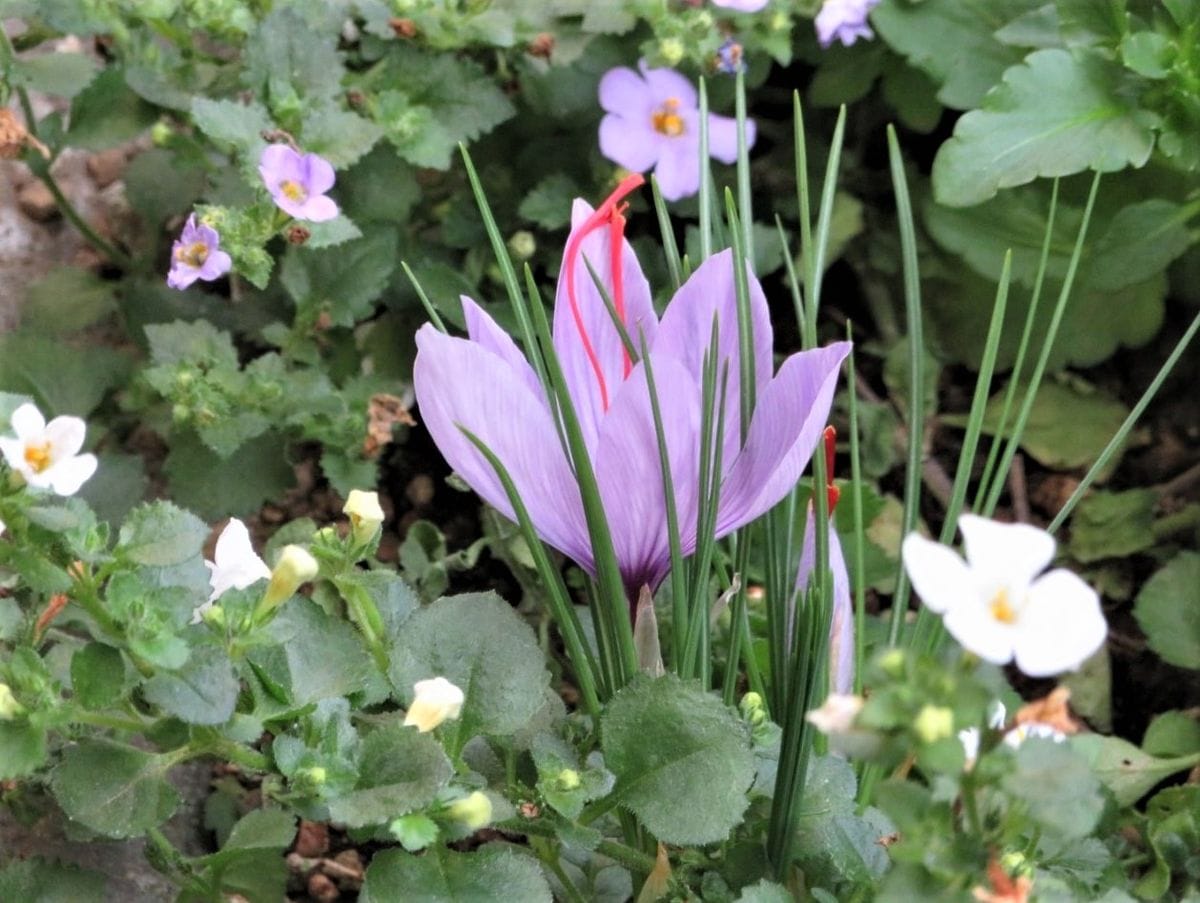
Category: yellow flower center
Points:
column 38, row 456
column 293, row 191
column 1001, row 609
column 666, row 119
column 193, row 255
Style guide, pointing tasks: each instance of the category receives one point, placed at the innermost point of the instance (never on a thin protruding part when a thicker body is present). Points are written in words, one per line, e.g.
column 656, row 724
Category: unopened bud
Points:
column 9, row 707
column 933, row 723
column 365, row 513
column 161, row 134
column 522, row 244
column 473, row 812
column 294, row 568
column 311, row 779
column 780, row 22
column 752, row 709
column 214, row 615
column 434, row 701
column 567, row 780
column 297, row 234
column 671, row 50
column 892, row 663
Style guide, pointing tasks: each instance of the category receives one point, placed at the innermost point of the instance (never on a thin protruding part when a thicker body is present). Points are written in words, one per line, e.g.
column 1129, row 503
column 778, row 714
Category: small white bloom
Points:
column 1013, row 738
column 365, row 513
column 236, row 566
column 836, row 715
column 997, row 606
column 294, row 567
column 434, row 701
column 47, row 455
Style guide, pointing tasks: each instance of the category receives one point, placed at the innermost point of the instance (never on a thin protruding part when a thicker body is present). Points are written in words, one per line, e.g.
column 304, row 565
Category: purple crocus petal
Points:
column 788, row 419
column 742, row 6
column 629, row 470
column 459, row 383
column 665, row 84
column 317, row 209
column 483, row 331
column 686, row 331
column 722, row 137
column 841, row 626
column 640, row 319
column 629, row 142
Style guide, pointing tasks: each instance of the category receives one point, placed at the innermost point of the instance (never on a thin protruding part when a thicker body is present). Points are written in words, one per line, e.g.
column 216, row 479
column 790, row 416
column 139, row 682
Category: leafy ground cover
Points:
column 601, row 684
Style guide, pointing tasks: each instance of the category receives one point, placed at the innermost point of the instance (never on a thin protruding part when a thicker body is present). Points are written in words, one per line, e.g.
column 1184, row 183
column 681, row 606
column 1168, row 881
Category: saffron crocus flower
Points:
column 46, row 455
column 234, row 566
column 844, row 20
column 196, row 254
column 841, row 626
column 484, row 384
column 997, row 606
column 298, row 182
column 653, row 122
column 742, row 6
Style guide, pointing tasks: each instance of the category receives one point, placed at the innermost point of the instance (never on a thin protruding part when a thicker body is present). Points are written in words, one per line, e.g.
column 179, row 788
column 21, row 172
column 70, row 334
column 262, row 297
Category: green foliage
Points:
column 1168, row 610
column 39, row 881
column 682, row 760
column 1110, row 524
column 113, row 789
column 449, row 877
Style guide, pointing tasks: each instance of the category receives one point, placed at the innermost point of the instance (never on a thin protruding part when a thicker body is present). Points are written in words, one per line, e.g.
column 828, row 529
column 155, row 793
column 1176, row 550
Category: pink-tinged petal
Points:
column 722, row 137
column 279, row 162
column 215, row 266
column 678, row 168
column 67, row 476
column 742, row 6
column 686, row 332
column 65, row 435
column 788, row 421
column 629, row 470
column 940, row 577
column 460, row 384
column 629, row 142
column 318, row 209
column 624, row 92
column 841, row 626
column 1005, row 555
column 667, row 84
column 483, row 331
column 318, row 172
column 583, row 384
column 977, row 631
column 1060, row 626
column 27, row 422
column 181, row 276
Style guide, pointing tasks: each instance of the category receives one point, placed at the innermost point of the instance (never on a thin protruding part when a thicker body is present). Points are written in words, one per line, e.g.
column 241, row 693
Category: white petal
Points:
column 977, row 631
column 66, row 476
column 939, row 576
column 27, row 422
column 1061, row 625
column 1005, row 554
column 65, row 435
column 14, row 454
column 236, row 566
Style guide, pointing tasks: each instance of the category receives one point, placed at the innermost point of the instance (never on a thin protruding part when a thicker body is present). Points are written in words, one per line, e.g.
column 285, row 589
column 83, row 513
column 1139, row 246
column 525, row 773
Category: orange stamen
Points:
column 38, row 456
column 607, row 213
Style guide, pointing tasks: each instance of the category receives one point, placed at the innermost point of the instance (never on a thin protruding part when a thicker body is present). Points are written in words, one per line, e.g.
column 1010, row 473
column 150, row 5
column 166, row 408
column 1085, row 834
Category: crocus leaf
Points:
column 1054, row 114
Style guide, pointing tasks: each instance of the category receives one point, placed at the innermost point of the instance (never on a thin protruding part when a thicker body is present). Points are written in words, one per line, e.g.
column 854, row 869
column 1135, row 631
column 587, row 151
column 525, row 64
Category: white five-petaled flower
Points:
column 45, row 454
column 997, row 606
column 235, row 564
column 434, row 701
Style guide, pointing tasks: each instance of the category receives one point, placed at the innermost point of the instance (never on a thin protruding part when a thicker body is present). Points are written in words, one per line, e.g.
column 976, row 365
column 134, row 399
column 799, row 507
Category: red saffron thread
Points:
column 608, row 212
column 832, row 492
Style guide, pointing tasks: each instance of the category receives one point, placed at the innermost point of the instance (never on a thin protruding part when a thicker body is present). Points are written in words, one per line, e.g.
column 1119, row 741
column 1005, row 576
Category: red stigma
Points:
column 832, row 492
column 610, row 213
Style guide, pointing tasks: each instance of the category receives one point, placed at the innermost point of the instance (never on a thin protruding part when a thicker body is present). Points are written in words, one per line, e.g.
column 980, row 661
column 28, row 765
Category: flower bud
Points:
column 780, row 22
column 522, row 244
column 213, row 614
column 567, row 780
column 933, row 723
column 294, row 567
column 161, row 134
column 671, row 50
column 752, row 709
column 892, row 663
column 473, row 812
column 309, row 780
column 365, row 515
column 9, row 707
column 434, row 701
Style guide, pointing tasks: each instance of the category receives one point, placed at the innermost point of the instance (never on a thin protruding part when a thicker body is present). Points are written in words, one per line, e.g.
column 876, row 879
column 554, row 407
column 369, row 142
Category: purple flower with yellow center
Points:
column 485, row 385
column 844, row 20
column 196, row 255
column 298, row 182
column 653, row 122
column 841, row 625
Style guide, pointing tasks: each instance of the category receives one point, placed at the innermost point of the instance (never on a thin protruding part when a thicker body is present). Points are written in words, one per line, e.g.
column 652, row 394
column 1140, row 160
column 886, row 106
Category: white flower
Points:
column 997, row 606
column 2, row 528
column 836, row 715
column 1015, row 736
column 365, row 513
column 47, row 455
column 434, row 701
column 236, row 566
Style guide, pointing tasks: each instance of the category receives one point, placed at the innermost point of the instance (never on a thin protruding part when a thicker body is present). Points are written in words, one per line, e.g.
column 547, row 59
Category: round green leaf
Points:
column 682, row 759
column 115, row 790
column 494, row 873
column 1168, row 611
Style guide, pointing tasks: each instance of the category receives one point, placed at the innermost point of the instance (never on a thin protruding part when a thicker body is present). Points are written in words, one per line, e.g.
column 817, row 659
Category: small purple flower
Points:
column 742, row 6
column 731, row 57
column 844, row 20
column 298, row 182
column 653, row 122
column 195, row 255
